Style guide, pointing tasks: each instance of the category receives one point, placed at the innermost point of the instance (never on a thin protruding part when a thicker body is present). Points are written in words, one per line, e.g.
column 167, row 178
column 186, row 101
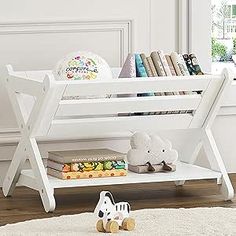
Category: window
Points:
column 233, row 11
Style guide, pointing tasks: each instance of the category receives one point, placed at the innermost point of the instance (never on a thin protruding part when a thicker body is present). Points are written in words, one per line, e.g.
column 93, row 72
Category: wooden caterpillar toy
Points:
column 113, row 216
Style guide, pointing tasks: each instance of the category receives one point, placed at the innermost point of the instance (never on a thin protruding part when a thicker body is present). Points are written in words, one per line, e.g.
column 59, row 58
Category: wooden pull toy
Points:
column 113, row 216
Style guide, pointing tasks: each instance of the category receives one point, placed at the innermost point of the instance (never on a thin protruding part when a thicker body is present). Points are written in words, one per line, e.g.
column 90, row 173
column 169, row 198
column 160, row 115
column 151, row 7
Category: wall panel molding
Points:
column 124, row 28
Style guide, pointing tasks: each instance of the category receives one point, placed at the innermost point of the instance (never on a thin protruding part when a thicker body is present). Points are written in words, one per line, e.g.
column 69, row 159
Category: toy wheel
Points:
column 112, row 227
column 128, row 224
column 99, row 226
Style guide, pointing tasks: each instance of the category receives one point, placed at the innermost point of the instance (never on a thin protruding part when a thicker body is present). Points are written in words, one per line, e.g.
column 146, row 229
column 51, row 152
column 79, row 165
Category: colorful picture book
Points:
column 80, row 164
column 86, row 175
column 86, row 166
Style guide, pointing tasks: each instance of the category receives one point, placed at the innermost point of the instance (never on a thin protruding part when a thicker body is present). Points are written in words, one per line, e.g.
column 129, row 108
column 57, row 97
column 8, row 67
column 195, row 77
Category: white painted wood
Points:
column 219, row 98
column 183, row 172
column 72, row 127
column 205, row 106
column 86, row 107
column 137, row 85
column 14, row 170
column 217, row 163
column 50, row 98
column 23, row 85
column 227, row 111
column 191, row 160
column 230, row 97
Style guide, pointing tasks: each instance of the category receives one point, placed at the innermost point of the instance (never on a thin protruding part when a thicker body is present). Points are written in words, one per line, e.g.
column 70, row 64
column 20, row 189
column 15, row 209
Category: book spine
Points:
column 86, row 175
column 146, row 65
column 128, row 70
column 87, row 159
column 183, row 66
column 55, row 158
column 172, row 69
column 188, row 64
column 167, row 72
column 164, row 62
column 58, row 166
column 141, row 72
column 175, row 59
column 159, row 69
column 195, row 64
column 152, row 67
column 157, row 63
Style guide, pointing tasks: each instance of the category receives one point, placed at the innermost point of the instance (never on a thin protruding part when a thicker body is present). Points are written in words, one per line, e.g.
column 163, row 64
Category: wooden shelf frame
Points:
column 53, row 117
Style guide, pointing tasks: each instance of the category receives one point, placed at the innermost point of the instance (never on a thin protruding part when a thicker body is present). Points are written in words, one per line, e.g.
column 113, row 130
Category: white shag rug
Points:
column 189, row 222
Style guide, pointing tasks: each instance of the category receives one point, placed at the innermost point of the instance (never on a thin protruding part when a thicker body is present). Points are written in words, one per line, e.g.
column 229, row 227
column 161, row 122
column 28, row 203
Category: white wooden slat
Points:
column 38, row 75
column 227, row 111
column 92, row 126
column 230, row 96
column 86, row 107
column 137, row 85
column 28, row 181
column 24, row 85
column 208, row 99
column 183, row 172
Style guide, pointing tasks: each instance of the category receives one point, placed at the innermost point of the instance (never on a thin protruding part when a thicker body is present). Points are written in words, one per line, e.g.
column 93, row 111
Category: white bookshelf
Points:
column 183, row 172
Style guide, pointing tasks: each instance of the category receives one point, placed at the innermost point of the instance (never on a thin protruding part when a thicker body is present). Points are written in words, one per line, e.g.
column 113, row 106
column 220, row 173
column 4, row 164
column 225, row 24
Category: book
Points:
column 164, row 62
column 169, row 61
column 146, row 65
column 157, row 63
column 182, row 65
column 152, row 67
column 141, row 72
column 175, row 60
column 159, row 68
column 196, row 68
column 172, row 69
column 66, row 167
column 86, row 166
column 140, row 69
column 86, row 174
column 128, row 70
column 85, row 156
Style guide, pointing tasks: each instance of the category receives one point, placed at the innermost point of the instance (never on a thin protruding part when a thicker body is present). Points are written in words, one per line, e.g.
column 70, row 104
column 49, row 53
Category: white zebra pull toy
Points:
column 112, row 215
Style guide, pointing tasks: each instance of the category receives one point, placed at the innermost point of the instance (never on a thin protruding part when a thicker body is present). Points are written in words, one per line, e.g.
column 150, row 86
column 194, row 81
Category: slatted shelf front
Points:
column 106, row 106
column 135, row 85
column 92, row 126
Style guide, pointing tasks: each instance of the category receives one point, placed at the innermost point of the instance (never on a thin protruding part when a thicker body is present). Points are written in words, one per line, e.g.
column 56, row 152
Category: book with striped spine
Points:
column 152, row 67
column 146, row 65
column 157, row 63
column 164, row 62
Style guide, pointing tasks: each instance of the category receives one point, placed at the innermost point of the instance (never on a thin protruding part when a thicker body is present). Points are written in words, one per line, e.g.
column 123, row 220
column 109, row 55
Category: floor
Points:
column 25, row 203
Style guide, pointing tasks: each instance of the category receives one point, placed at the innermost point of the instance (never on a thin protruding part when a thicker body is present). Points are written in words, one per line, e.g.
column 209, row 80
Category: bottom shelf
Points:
column 183, row 172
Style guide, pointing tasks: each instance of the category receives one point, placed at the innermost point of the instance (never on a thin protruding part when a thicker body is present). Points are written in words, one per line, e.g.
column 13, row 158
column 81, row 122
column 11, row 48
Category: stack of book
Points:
column 85, row 164
column 160, row 64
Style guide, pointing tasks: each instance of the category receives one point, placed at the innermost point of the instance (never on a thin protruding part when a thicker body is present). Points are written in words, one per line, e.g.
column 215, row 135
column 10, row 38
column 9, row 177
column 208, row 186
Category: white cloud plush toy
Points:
column 151, row 150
